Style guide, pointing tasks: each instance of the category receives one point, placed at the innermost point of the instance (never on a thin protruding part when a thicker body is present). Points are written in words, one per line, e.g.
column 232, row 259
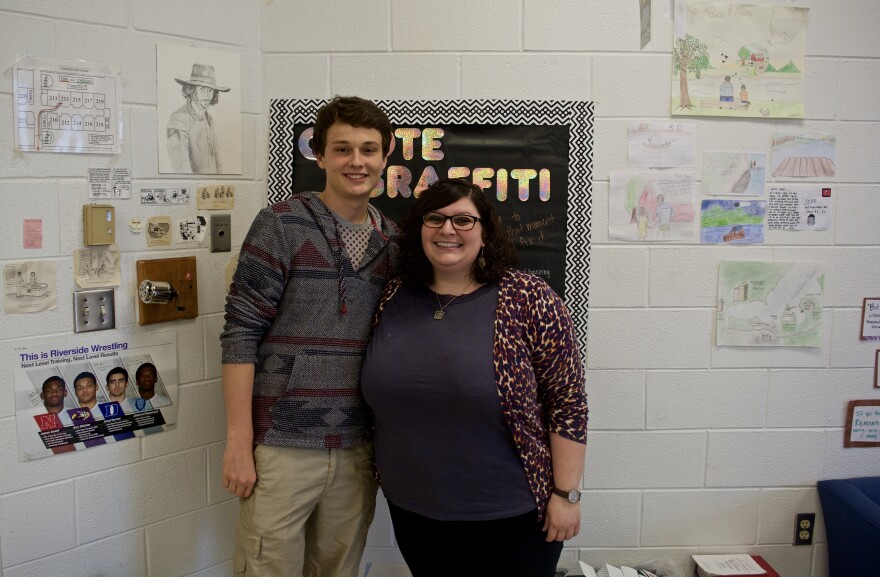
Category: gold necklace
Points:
column 438, row 314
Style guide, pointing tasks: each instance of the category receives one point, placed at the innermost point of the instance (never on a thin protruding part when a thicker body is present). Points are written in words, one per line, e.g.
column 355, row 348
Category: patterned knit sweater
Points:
column 538, row 372
column 298, row 311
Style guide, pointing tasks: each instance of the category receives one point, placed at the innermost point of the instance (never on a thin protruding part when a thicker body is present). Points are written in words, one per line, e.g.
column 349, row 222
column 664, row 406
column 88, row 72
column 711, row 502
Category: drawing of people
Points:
column 726, row 90
column 642, row 221
column 664, row 216
column 743, row 95
column 192, row 142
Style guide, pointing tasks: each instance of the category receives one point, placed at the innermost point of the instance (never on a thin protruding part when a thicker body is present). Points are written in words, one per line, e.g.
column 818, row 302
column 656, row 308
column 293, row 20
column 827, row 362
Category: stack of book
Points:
column 738, row 565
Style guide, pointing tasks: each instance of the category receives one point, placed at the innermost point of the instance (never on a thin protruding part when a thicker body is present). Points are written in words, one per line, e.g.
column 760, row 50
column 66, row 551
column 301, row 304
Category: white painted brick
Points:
column 137, row 61
column 381, row 530
column 201, row 420
column 820, row 560
column 633, row 92
column 152, row 491
column 612, row 154
column 19, row 36
column 851, row 273
column 616, row 399
column 525, row 76
column 856, row 214
column 467, row 26
column 599, row 214
column 37, row 523
column 811, row 398
column 821, row 87
column 778, row 507
column 764, row 458
column 331, row 26
column 189, row 346
column 221, row 570
column 690, row 278
column 844, row 28
column 608, row 519
column 212, row 280
column 121, row 555
column 699, row 518
column 746, row 135
column 624, row 460
column 766, row 357
column 706, row 399
column 107, row 12
column 30, row 199
column 571, row 25
column 397, row 76
column 618, row 276
column 16, row 475
column 296, row 75
column 842, row 463
column 194, row 541
column 216, row 492
column 225, row 21
column 847, row 350
column 854, row 158
column 649, row 339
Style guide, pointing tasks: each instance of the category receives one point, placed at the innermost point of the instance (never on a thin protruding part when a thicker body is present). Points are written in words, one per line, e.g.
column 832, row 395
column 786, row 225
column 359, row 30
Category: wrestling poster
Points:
column 533, row 159
column 77, row 393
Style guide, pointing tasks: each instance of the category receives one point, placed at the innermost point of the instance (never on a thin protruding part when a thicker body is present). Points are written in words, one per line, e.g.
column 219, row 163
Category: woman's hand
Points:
column 562, row 520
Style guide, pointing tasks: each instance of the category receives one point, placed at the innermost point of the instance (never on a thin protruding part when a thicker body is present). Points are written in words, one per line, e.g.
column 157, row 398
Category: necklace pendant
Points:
column 438, row 315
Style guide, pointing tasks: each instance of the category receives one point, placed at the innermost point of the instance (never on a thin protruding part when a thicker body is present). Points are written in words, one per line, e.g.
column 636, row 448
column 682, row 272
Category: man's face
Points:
column 86, row 388
column 116, row 386
column 202, row 96
column 353, row 161
column 53, row 396
column 146, row 382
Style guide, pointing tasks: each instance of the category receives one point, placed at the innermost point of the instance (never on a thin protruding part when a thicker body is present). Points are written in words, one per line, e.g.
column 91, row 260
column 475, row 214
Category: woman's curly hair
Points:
column 499, row 252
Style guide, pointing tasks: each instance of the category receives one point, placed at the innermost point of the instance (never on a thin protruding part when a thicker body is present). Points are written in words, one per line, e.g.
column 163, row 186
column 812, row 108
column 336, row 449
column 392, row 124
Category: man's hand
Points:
column 239, row 472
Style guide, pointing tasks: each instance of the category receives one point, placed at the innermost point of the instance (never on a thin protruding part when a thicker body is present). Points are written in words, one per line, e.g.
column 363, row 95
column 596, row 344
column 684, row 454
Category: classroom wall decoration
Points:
column 740, row 60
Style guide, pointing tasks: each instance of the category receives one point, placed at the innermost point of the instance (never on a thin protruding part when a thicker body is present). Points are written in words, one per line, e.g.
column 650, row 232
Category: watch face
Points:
column 574, row 496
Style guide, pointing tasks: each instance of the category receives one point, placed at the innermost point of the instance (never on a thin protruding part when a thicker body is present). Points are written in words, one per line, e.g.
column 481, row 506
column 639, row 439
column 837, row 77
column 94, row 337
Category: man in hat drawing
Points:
column 192, row 143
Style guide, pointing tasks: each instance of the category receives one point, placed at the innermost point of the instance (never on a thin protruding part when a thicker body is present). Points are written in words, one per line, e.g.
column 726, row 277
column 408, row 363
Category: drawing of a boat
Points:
column 656, row 141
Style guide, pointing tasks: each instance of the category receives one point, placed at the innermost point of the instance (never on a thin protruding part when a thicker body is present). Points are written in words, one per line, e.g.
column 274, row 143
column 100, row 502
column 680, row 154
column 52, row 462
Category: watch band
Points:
column 572, row 496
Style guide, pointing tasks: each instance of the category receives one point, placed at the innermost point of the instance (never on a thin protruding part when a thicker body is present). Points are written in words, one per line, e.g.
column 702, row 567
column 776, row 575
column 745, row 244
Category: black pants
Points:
column 511, row 547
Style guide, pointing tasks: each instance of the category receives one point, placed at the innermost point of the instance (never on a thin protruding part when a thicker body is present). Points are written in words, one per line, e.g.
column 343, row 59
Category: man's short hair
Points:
column 52, row 379
column 85, row 375
column 117, row 371
column 352, row 110
column 137, row 373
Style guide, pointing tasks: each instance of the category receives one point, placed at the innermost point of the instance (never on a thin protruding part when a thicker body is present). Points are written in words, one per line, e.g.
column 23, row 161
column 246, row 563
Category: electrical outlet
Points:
column 93, row 310
column 804, row 523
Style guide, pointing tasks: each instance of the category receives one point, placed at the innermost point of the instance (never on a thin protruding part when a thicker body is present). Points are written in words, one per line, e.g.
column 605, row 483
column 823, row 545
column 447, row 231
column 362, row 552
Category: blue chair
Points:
column 851, row 508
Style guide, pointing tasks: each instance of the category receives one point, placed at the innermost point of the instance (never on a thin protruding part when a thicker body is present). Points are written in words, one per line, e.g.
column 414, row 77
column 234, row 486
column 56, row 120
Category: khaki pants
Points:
column 309, row 513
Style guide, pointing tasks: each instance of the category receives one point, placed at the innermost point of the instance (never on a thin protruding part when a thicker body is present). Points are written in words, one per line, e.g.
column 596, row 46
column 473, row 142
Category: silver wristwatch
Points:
column 572, row 496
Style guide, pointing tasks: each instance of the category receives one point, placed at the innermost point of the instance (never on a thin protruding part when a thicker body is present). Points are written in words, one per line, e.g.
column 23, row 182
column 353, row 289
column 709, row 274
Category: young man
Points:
column 117, row 383
column 146, row 377
column 298, row 315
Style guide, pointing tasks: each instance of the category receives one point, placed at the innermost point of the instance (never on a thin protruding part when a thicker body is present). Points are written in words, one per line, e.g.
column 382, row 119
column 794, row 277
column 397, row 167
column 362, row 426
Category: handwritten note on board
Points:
column 862, row 424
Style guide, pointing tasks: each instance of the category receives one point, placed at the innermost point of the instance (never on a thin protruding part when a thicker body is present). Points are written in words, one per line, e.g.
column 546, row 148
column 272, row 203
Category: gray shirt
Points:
column 443, row 448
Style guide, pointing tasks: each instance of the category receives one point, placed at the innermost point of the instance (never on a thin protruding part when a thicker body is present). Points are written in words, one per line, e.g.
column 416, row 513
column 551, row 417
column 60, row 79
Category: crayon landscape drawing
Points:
column 732, row 221
column 740, row 60
column 651, row 206
column 733, row 173
column 661, row 144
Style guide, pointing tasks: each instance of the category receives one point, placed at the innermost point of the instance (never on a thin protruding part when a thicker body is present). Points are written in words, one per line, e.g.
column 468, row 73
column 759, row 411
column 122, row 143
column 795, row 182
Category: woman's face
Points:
column 450, row 250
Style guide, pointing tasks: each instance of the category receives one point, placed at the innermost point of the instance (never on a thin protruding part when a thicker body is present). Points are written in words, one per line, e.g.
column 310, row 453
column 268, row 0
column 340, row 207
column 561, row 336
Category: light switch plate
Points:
column 94, row 310
column 221, row 238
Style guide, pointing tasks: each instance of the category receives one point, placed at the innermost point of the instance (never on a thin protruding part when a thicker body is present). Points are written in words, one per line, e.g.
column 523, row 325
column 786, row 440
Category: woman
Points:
column 476, row 383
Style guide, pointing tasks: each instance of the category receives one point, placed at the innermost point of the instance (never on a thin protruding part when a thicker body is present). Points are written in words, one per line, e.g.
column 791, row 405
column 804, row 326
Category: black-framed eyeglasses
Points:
column 459, row 221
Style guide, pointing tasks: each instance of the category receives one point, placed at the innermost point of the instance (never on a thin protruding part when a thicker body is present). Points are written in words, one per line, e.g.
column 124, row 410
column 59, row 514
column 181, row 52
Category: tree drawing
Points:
column 689, row 55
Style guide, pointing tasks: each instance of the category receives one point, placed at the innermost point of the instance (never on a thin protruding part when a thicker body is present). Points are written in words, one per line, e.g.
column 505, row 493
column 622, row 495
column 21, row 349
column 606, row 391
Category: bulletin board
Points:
column 533, row 159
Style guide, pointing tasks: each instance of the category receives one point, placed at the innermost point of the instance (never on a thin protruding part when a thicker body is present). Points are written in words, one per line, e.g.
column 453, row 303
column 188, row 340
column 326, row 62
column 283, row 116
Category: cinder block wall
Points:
column 692, row 448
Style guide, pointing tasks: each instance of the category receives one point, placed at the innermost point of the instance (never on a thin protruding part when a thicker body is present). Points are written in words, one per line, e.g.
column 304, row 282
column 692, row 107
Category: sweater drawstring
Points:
column 340, row 265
